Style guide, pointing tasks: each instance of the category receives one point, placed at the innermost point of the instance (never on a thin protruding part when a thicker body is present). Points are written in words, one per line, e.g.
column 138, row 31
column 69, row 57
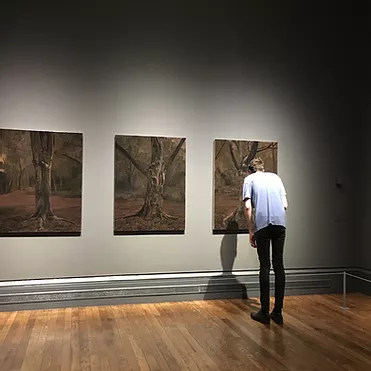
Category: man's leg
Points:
column 278, row 242
column 262, row 239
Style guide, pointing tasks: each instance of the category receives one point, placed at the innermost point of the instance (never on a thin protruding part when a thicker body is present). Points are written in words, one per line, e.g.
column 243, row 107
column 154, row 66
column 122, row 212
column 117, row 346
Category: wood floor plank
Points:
column 6, row 333
column 244, row 347
column 231, row 339
column 66, row 349
column 107, row 360
column 112, row 338
column 162, row 341
column 49, row 345
column 210, row 335
column 35, row 349
column 24, row 341
column 142, row 361
column 143, row 346
column 94, row 351
column 60, row 335
column 75, row 342
column 336, row 327
column 84, row 341
column 123, row 332
column 325, row 345
column 294, row 355
column 178, row 345
column 212, row 342
column 13, row 341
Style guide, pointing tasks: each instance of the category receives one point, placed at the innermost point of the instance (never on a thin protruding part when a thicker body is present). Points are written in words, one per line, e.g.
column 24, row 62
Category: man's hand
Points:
column 250, row 223
column 252, row 240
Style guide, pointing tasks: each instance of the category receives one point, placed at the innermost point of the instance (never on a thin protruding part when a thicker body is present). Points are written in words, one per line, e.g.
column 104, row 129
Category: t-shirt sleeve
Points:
column 282, row 189
column 246, row 190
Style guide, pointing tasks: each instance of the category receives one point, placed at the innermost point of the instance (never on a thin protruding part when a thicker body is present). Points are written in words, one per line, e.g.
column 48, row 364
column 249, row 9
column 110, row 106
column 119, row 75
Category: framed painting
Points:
column 40, row 183
column 150, row 175
column 231, row 159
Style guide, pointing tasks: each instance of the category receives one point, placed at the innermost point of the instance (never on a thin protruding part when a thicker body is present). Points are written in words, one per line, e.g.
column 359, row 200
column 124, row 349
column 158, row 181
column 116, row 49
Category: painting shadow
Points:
column 227, row 284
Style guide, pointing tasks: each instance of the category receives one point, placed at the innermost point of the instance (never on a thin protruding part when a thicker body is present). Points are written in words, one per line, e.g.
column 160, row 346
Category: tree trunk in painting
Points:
column 239, row 212
column 273, row 149
column 42, row 155
column 20, row 177
column 21, row 171
column 155, row 174
column 156, row 180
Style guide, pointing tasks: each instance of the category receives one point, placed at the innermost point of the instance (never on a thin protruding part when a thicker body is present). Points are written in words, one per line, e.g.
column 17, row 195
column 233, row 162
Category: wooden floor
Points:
column 202, row 335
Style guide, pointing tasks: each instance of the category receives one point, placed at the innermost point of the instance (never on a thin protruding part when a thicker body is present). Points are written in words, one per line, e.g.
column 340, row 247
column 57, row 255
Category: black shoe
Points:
column 261, row 317
column 277, row 317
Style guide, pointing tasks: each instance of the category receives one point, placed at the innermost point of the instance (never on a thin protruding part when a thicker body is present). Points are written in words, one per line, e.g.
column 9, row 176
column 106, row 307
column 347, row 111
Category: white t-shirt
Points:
column 266, row 191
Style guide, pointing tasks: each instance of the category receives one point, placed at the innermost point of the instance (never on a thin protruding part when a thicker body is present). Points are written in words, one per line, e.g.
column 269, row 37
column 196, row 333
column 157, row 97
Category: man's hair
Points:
column 256, row 164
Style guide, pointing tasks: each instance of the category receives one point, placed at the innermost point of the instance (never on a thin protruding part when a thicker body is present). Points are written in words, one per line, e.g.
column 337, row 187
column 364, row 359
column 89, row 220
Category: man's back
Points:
column 266, row 192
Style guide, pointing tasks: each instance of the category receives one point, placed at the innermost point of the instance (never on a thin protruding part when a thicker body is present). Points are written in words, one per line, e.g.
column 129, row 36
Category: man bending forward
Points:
column 264, row 196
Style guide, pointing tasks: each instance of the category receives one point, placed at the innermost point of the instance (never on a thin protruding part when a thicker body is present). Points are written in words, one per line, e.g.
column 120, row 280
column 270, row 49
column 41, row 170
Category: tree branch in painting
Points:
column 76, row 160
column 124, row 152
column 174, row 154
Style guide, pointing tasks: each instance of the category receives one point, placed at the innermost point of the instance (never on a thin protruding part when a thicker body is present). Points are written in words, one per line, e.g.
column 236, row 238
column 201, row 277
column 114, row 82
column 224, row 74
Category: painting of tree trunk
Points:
column 231, row 159
column 149, row 185
column 29, row 204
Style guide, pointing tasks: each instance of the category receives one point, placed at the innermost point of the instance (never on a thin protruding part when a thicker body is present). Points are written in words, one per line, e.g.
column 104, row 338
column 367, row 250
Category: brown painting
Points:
column 149, row 185
column 40, row 183
column 231, row 159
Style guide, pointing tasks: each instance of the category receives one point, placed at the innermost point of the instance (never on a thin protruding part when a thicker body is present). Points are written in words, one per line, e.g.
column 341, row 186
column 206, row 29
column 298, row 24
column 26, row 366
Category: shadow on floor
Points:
column 226, row 285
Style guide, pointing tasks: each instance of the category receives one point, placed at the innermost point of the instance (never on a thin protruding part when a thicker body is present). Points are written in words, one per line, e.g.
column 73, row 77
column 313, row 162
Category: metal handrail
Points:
column 345, row 274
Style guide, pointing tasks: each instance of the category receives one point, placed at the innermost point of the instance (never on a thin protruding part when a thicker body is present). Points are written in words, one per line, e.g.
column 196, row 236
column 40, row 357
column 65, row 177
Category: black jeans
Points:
column 276, row 234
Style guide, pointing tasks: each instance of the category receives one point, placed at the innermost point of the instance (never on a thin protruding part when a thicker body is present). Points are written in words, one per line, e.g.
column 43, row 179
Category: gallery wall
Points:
column 189, row 72
column 361, row 197
column 362, row 194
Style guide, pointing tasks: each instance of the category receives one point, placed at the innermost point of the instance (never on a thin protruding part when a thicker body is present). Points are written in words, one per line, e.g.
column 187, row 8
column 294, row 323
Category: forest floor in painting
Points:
column 17, row 206
column 138, row 224
column 226, row 203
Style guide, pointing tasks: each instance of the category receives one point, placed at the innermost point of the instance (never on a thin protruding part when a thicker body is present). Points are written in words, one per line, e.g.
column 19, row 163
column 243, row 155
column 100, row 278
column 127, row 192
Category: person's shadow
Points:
column 227, row 285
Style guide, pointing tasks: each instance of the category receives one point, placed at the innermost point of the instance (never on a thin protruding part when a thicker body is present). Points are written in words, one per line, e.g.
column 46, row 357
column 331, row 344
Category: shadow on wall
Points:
column 227, row 285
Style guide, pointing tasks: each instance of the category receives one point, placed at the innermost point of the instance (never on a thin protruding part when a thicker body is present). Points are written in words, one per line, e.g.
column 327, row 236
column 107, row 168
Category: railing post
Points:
column 344, row 290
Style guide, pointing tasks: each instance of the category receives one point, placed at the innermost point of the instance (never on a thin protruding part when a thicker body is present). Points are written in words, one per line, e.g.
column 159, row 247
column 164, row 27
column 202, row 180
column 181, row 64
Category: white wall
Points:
column 202, row 78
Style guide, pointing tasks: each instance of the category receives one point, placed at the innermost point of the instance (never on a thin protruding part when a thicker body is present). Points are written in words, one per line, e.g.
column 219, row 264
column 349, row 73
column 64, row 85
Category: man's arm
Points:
column 285, row 202
column 283, row 195
column 249, row 215
column 246, row 197
column 250, row 221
